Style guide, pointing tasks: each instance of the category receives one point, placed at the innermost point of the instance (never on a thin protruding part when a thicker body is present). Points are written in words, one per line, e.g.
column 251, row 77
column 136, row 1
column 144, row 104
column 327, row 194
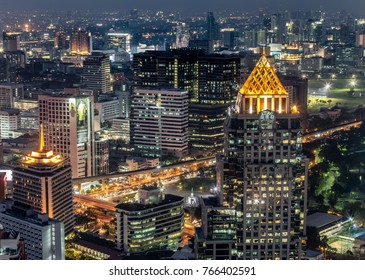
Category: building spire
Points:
column 41, row 137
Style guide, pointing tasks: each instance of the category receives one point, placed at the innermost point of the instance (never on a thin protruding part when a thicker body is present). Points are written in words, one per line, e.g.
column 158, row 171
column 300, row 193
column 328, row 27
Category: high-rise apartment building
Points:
column 156, row 222
column 160, row 122
column 44, row 238
column 96, row 73
column 263, row 173
column 42, row 180
column 81, row 43
column 68, row 121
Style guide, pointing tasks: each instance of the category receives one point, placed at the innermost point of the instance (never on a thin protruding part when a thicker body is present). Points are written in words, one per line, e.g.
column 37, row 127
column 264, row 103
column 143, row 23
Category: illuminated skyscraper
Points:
column 96, row 73
column 60, row 41
column 68, row 128
column 80, row 42
column 42, row 180
column 263, row 173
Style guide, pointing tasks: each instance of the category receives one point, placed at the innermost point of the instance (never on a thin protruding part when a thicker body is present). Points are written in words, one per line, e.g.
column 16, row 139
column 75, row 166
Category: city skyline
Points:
column 185, row 6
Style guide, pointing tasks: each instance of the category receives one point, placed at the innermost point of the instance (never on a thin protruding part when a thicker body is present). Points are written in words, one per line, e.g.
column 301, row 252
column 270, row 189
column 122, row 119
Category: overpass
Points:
column 78, row 181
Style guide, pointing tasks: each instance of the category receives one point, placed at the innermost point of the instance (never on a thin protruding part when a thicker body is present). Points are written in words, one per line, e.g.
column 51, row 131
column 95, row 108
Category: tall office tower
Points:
column 121, row 26
column 101, row 155
column 208, row 106
column 209, row 79
column 60, row 41
column 176, row 68
column 344, row 33
column 124, row 103
column 11, row 245
column 44, row 238
column 263, row 173
column 10, row 41
column 228, row 37
column 156, row 222
column 42, row 180
column 96, row 72
column 212, row 27
column 10, row 93
column 182, row 35
column 68, row 121
column 160, row 122
column 80, row 42
column 119, row 41
column 278, row 26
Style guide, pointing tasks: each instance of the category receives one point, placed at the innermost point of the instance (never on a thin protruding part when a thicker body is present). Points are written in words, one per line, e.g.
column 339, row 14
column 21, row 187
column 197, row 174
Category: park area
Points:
column 346, row 93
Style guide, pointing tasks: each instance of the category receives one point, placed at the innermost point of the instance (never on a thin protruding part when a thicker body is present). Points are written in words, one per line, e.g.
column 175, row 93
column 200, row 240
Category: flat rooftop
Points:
column 131, row 207
column 319, row 219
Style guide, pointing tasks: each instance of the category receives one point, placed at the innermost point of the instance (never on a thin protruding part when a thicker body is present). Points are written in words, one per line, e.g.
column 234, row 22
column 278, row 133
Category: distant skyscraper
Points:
column 10, row 41
column 212, row 27
column 60, row 41
column 69, row 128
column 156, row 222
column 44, row 238
column 228, row 37
column 160, row 122
column 96, row 73
column 80, row 42
column 182, row 35
column 42, row 180
column 263, row 173
column 121, row 26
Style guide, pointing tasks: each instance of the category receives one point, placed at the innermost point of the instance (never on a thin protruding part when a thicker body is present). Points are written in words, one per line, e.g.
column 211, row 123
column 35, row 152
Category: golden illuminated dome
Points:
column 263, row 80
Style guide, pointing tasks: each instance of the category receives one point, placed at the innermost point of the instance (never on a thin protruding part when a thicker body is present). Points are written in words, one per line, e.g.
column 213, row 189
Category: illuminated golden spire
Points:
column 263, row 80
column 41, row 137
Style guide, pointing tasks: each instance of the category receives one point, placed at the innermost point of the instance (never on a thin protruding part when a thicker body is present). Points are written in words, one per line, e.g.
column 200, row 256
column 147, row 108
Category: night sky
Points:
column 357, row 6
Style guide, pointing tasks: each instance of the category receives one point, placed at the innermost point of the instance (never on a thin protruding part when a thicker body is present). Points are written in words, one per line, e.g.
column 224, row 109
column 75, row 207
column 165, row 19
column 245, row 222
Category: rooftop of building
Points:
column 319, row 220
column 25, row 212
column 10, row 111
column 132, row 207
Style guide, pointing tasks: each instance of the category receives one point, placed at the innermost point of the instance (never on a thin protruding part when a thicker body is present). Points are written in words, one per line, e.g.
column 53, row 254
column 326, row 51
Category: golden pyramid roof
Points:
column 263, row 80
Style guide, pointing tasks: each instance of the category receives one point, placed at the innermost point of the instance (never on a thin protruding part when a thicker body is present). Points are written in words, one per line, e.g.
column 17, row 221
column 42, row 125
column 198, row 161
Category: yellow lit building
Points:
column 43, row 181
